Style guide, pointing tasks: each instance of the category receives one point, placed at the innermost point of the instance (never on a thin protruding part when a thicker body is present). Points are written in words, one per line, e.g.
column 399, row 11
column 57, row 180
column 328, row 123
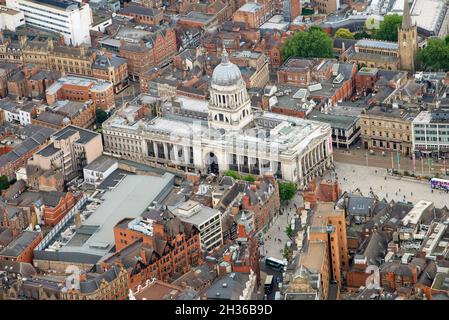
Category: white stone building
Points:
column 72, row 19
column 234, row 136
column 10, row 19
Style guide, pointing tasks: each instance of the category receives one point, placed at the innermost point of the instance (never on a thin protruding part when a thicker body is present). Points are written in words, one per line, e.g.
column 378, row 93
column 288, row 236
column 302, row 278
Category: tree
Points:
column 100, row 115
column 435, row 56
column 286, row 190
column 4, row 183
column 314, row 43
column 286, row 253
column 362, row 35
column 233, row 174
column 289, row 231
column 249, row 178
column 344, row 34
column 388, row 29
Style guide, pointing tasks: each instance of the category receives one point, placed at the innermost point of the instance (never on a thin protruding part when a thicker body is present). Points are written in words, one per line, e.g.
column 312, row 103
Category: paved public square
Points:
column 353, row 177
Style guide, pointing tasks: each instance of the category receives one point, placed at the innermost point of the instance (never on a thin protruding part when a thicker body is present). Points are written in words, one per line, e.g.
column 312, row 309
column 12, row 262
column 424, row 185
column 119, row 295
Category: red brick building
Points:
column 325, row 79
column 112, row 69
column 143, row 15
column 82, row 89
column 253, row 14
column 141, row 58
column 31, row 81
column 56, row 205
column 271, row 45
column 365, row 80
column 394, row 275
column 326, row 191
column 21, row 248
column 265, row 188
column 172, row 246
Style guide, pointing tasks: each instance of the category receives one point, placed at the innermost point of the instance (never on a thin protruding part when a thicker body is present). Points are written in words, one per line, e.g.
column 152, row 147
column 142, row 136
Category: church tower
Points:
column 407, row 41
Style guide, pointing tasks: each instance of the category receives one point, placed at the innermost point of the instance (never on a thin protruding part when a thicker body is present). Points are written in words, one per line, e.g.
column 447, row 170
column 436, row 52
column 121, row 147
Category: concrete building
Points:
column 10, row 19
column 98, row 170
column 71, row 19
column 430, row 134
column 345, row 128
column 70, row 150
column 206, row 220
column 294, row 150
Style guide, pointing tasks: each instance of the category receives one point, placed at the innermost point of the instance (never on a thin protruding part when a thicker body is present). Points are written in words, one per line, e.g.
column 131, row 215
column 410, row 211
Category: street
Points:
column 132, row 91
column 275, row 240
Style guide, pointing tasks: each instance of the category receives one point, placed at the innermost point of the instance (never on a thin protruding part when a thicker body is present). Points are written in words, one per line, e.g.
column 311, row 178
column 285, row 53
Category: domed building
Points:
column 230, row 104
column 223, row 134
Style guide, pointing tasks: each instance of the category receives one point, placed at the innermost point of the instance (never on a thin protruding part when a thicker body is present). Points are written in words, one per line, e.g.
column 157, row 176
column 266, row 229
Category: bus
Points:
column 268, row 284
column 436, row 183
column 275, row 263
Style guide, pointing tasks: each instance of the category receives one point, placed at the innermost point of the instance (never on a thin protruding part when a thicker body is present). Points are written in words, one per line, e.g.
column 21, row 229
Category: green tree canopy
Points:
column 249, row 178
column 435, row 55
column 100, row 115
column 289, row 231
column 233, row 174
column 314, row 43
column 344, row 34
column 4, row 182
column 286, row 252
column 286, row 190
column 388, row 29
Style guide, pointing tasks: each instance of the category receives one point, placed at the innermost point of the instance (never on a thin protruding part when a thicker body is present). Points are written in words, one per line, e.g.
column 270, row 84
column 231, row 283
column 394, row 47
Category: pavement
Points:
column 352, row 177
column 272, row 247
column 364, row 158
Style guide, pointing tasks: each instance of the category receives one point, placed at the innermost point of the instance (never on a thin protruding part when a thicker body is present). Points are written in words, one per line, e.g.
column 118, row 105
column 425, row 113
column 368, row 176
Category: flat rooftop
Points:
column 101, row 164
column 428, row 14
column 250, row 7
column 94, row 84
column 432, row 117
column 336, row 121
column 195, row 213
column 66, row 5
column 128, row 199
column 314, row 258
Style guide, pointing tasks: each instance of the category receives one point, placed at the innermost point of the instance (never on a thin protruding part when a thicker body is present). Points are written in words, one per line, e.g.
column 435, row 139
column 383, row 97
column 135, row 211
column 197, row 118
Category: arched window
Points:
column 221, row 117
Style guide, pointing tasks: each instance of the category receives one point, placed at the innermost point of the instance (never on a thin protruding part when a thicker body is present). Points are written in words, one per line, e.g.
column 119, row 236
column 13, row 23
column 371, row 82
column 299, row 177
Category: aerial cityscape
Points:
column 224, row 150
